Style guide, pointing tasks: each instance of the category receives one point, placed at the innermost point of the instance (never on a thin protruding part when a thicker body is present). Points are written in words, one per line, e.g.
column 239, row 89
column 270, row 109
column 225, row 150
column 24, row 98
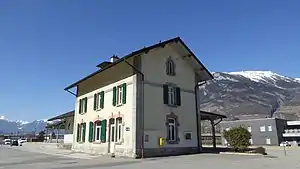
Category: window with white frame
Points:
column 170, row 67
column 269, row 128
column 81, row 132
column 83, row 105
column 119, row 95
column 99, row 101
column 119, row 128
column 112, row 128
column 262, row 128
column 97, row 131
column 249, row 129
column 268, row 141
column 171, row 95
column 171, row 129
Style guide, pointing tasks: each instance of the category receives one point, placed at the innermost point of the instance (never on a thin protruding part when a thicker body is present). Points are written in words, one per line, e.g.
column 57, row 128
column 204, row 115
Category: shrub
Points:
column 238, row 138
column 260, row 150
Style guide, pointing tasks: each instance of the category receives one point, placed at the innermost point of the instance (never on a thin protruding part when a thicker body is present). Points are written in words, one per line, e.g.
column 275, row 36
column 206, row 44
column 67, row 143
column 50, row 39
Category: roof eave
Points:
column 197, row 60
column 122, row 59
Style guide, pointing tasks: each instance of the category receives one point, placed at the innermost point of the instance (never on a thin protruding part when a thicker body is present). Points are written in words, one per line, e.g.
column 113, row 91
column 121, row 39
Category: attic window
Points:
column 170, row 67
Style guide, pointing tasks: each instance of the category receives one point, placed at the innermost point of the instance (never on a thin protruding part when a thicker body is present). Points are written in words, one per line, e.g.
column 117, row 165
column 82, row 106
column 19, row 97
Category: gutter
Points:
column 143, row 109
column 198, row 112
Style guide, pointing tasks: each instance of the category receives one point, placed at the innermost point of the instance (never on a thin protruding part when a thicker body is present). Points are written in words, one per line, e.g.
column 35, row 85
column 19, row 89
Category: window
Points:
column 269, row 128
column 99, row 101
column 112, row 130
column 251, row 141
column 119, row 127
column 83, row 105
column 188, row 135
column 146, row 138
column 249, row 129
column 171, row 95
column 119, row 95
column 97, row 130
column 170, row 67
column 171, row 129
column 262, row 128
column 81, row 132
column 268, row 141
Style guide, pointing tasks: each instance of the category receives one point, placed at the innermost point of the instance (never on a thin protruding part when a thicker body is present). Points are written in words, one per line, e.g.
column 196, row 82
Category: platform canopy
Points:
column 62, row 116
column 211, row 116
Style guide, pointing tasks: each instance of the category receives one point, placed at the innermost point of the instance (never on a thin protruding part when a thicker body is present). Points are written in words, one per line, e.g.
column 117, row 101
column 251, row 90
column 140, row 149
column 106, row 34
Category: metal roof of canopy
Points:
column 68, row 114
column 211, row 116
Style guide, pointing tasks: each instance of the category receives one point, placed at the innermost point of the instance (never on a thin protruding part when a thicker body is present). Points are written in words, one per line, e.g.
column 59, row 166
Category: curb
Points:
column 243, row 154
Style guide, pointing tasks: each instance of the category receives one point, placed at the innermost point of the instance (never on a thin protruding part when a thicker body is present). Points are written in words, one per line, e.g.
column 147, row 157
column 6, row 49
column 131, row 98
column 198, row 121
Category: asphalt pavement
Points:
column 16, row 158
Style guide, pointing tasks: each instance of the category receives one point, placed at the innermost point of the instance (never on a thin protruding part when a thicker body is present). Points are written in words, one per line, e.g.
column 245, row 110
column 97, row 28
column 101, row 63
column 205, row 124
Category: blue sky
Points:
column 45, row 45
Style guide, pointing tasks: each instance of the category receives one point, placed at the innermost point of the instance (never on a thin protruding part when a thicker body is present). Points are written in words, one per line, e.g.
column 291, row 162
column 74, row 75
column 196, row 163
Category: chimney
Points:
column 114, row 58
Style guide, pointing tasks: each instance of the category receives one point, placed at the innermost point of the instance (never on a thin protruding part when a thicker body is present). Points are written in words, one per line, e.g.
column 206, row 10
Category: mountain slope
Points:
column 252, row 94
column 19, row 126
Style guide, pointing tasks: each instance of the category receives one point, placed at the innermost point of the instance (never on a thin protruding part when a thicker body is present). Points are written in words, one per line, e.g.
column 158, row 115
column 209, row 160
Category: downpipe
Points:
column 142, row 95
column 198, row 112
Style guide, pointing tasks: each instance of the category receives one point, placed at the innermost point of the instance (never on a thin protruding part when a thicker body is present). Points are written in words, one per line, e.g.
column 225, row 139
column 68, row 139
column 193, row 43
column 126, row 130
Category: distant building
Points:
column 63, row 122
column 264, row 131
column 292, row 132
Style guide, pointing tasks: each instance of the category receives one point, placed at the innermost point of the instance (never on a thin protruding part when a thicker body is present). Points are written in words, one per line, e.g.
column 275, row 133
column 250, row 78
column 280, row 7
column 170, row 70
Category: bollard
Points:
column 284, row 149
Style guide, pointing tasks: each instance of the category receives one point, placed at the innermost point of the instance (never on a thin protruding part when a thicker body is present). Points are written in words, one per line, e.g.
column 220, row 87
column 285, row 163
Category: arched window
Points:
column 170, row 67
column 172, row 129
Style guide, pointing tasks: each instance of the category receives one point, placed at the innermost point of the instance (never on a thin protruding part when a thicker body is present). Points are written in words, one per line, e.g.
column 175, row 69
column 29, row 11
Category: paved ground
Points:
column 20, row 157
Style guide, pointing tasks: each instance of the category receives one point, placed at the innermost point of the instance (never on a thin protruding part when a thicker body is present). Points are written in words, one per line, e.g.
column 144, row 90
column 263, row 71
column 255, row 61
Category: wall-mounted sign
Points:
column 127, row 129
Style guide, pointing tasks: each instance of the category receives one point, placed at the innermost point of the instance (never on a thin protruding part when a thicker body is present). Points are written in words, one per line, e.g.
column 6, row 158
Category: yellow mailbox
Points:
column 162, row 141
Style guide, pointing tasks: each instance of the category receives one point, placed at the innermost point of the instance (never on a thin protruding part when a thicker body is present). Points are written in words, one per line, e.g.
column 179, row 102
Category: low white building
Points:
column 62, row 126
column 126, row 106
column 292, row 132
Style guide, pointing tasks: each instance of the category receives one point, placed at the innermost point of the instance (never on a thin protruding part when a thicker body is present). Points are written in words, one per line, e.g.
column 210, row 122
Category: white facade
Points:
column 125, row 146
column 158, row 104
column 292, row 130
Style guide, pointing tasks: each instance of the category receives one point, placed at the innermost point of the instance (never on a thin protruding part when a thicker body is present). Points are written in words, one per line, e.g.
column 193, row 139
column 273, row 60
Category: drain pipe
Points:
column 142, row 118
column 198, row 112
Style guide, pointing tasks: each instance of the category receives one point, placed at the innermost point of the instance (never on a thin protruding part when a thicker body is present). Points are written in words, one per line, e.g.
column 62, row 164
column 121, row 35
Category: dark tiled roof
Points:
column 145, row 49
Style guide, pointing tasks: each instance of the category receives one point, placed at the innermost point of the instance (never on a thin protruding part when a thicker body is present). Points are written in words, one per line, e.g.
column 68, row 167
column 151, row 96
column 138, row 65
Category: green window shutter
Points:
column 80, row 106
column 102, row 100
column 78, row 130
column 114, row 96
column 103, row 131
column 124, row 93
column 91, row 131
column 95, row 101
column 165, row 93
column 83, row 132
column 85, row 105
column 178, row 96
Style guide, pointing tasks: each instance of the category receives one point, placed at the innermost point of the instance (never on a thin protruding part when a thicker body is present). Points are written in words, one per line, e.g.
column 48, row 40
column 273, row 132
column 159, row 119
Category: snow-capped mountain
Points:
column 20, row 126
column 252, row 94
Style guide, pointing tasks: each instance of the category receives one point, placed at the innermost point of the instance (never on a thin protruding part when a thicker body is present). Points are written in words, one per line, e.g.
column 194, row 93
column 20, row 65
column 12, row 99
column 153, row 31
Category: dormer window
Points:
column 170, row 67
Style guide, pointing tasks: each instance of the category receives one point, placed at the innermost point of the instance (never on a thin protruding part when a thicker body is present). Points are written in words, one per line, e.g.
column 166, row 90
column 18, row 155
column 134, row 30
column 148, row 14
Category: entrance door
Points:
column 112, row 136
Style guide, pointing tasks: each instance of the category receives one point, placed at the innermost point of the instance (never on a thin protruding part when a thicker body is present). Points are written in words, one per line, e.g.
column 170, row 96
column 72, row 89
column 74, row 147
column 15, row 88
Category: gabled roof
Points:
column 68, row 114
column 145, row 49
